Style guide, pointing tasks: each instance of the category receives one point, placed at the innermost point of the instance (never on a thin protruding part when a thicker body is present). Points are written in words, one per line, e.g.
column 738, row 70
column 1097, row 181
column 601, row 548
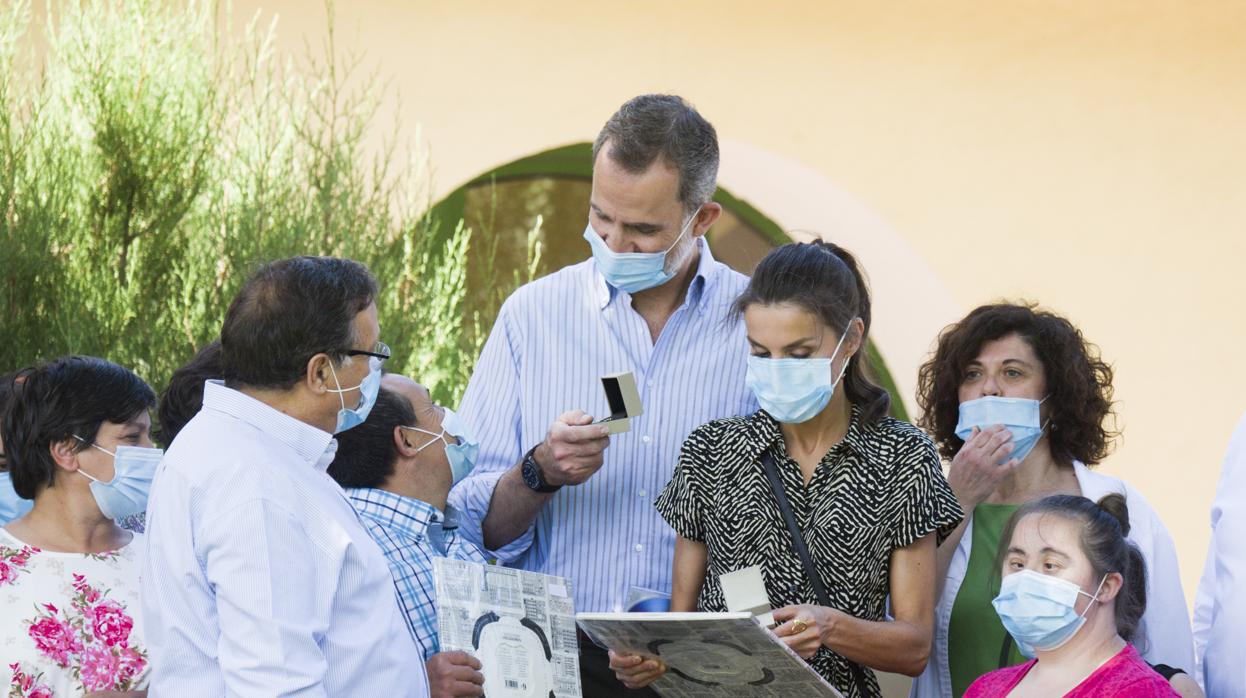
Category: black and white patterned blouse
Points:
column 881, row 488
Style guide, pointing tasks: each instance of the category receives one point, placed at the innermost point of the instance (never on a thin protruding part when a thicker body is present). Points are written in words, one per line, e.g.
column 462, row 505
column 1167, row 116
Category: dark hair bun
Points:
column 1114, row 504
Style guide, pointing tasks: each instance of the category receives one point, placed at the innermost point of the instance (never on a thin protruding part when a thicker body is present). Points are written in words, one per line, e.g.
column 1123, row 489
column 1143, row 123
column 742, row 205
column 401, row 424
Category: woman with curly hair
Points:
column 1020, row 402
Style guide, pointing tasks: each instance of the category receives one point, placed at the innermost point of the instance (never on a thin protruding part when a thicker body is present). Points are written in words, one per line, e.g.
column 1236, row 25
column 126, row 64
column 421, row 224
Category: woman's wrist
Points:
column 829, row 624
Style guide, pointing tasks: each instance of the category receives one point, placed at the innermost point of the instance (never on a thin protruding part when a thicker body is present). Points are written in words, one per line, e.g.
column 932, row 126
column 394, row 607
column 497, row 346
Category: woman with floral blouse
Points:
column 76, row 434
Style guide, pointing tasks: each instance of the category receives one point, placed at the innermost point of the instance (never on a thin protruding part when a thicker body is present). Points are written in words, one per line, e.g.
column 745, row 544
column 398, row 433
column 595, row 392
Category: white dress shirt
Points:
column 259, row 578
column 1220, row 607
column 553, row 341
column 1164, row 634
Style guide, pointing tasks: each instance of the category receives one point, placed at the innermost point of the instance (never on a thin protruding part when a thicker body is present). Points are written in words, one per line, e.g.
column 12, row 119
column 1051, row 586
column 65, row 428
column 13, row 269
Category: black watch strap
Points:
column 532, row 475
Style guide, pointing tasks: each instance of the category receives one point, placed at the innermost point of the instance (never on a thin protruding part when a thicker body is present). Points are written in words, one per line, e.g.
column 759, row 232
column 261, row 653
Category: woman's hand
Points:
column 804, row 628
column 634, row 670
column 976, row 470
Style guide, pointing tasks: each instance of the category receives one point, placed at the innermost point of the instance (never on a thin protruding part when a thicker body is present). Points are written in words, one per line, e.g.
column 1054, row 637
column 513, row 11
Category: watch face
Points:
column 531, row 476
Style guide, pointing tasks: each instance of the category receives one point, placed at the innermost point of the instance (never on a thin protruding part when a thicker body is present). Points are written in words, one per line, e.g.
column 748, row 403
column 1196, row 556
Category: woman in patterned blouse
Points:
column 867, row 489
column 69, row 592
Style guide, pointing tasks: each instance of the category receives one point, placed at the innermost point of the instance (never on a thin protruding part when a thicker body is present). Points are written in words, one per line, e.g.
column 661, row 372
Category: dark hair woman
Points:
column 1072, row 596
column 76, row 433
column 868, row 487
column 1020, row 403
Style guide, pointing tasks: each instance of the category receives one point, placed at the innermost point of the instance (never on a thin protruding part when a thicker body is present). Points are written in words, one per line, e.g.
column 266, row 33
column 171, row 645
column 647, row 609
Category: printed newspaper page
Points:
column 710, row 655
column 520, row 625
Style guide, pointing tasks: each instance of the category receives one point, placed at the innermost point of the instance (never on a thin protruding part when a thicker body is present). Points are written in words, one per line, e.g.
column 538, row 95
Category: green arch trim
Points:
column 575, row 161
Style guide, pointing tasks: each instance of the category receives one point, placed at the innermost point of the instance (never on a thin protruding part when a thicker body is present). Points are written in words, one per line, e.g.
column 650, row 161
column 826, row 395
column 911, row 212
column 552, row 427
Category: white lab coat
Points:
column 1163, row 638
column 1220, row 606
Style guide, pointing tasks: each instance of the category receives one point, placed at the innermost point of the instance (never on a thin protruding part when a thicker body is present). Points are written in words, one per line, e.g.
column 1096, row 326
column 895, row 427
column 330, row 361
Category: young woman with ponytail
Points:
column 1072, row 596
column 867, row 490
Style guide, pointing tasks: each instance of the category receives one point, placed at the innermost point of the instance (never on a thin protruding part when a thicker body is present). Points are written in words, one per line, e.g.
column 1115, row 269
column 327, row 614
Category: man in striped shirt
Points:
column 547, row 494
column 396, row 470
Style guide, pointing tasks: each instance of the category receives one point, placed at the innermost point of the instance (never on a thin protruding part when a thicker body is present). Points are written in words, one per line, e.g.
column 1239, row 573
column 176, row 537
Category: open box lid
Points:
column 622, row 396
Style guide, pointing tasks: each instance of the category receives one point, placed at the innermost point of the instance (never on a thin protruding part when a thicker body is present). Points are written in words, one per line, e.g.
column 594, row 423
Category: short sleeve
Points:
column 684, row 503
column 924, row 502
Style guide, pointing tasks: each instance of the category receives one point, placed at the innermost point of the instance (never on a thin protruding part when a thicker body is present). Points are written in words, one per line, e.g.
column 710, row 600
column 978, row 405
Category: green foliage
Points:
column 153, row 160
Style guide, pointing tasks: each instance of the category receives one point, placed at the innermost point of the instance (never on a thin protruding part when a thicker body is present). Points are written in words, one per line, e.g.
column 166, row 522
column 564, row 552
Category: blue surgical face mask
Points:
column 371, row 385
column 462, row 456
column 125, row 494
column 1038, row 610
column 1021, row 416
column 634, row 271
column 11, row 506
column 794, row 390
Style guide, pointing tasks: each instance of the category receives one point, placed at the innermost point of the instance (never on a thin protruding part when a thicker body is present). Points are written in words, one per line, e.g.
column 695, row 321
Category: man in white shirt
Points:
column 260, row 579
column 1220, row 606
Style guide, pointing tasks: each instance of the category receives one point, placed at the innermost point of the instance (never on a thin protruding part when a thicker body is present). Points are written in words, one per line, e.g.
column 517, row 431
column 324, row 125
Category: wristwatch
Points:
column 532, row 476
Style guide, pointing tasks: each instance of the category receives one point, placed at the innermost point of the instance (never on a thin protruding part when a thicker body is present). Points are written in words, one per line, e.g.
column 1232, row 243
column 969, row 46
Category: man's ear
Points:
column 65, row 454
column 402, row 442
column 319, row 375
column 707, row 216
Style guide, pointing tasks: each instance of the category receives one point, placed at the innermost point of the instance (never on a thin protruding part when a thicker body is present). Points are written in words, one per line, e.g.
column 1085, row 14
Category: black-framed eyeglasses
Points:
column 380, row 351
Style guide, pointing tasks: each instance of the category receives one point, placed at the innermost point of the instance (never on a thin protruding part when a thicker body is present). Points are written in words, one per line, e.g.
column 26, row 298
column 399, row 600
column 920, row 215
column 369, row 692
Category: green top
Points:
column 975, row 636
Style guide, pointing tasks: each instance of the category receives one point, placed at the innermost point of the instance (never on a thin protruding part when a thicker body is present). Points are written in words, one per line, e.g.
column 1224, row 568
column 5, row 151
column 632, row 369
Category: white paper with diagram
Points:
column 520, row 625
column 710, row 655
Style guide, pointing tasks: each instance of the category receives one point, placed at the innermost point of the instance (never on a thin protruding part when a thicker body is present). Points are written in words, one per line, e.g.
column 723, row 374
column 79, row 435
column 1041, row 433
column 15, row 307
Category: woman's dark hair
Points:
column 824, row 279
column 289, row 311
column 1104, row 540
column 60, row 400
column 183, row 397
column 9, row 382
column 366, row 454
column 1079, row 382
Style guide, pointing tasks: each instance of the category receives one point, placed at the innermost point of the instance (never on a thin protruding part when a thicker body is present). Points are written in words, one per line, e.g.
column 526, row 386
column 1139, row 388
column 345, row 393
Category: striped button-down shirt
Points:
column 553, row 341
column 260, row 579
column 411, row 533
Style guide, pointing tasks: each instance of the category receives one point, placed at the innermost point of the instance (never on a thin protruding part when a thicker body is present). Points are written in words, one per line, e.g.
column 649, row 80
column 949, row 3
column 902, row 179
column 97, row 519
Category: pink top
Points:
column 1122, row 676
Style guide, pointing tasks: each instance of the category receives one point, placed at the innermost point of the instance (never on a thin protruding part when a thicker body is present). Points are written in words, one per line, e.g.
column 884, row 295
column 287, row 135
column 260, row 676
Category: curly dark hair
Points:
column 1079, row 382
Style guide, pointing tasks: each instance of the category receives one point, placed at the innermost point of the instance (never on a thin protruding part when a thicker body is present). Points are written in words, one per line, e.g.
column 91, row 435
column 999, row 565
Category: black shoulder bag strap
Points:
column 802, row 549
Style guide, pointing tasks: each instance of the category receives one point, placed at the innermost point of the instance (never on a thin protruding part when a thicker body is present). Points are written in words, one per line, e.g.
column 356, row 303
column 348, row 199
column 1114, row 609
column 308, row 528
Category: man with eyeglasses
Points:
column 259, row 577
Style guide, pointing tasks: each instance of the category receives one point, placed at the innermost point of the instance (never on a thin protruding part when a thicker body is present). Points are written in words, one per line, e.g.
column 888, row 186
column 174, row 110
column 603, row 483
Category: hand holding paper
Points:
column 635, row 670
column 803, row 628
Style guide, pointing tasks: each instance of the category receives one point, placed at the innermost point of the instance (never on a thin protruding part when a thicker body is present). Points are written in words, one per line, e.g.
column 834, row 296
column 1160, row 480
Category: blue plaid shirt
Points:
column 411, row 533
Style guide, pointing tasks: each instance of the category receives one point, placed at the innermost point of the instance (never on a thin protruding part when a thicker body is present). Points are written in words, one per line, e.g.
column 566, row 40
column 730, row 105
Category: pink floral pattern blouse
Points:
column 69, row 623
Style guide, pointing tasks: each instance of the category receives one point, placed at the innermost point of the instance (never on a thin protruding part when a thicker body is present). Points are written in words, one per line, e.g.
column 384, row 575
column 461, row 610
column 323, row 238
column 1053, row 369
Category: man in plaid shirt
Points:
column 397, row 469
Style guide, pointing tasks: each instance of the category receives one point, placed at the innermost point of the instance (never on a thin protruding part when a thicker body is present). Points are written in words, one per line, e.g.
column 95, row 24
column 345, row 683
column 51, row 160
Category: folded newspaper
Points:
column 520, row 625
column 709, row 655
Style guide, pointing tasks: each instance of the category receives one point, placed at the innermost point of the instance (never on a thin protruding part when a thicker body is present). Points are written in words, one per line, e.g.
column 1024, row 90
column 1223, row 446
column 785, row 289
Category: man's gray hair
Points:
column 652, row 126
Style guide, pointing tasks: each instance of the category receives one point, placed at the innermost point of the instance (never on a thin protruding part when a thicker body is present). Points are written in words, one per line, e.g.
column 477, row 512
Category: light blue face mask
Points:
column 1038, row 610
column 371, row 385
column 126, row 493
column 1021, row 416
column 794, row 390
column 11, row 506
column 462, row 456
column 633, row 271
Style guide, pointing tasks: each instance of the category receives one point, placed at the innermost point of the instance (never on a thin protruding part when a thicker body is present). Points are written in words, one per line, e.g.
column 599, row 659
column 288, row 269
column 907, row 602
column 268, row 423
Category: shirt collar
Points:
column 699, row 291
column 312, row 445
column 410, row 517
column 767, row 432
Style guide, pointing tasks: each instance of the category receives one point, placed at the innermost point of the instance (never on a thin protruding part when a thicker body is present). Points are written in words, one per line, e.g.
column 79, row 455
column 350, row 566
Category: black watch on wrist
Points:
column 532, row 476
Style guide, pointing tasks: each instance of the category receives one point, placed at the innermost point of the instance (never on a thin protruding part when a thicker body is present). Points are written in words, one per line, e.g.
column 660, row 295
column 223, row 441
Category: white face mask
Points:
column 634, row 271
column 125, row 494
